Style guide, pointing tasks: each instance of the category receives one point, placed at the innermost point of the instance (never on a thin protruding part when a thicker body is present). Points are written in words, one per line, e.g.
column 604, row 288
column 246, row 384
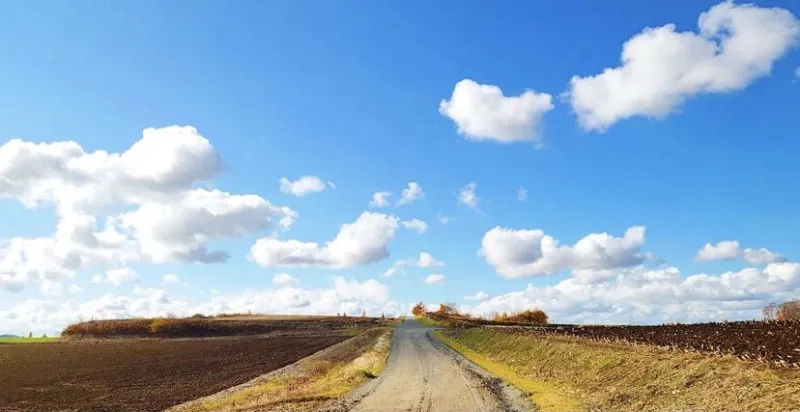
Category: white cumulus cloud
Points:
column 364, row 241
column 165, row 216
column 730, row 250
column 518, row 253
column 482, row 112
column 380, row 199
column 410, row 194
column 342, row 295
column 425, row 260
column 642, row 295
column 416, row 225
column 661, row 68
column 762, row 256
column 468, row 197
column 725, row 250
column 434, row 279
column 304, row 185
column 182, row 229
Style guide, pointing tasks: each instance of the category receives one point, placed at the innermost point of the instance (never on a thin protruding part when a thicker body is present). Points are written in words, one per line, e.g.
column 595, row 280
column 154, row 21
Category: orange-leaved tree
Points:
column 418, row 309
column 447, row 308
column 535, row 316
column 789, row 310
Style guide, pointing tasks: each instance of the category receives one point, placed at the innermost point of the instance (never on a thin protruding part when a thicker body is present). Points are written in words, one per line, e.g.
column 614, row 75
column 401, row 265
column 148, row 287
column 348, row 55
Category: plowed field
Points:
column 768, row 342
column 139, row 375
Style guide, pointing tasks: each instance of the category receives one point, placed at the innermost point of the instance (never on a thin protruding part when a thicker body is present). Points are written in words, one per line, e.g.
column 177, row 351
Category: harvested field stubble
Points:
column 776, row 343
column 140, row 375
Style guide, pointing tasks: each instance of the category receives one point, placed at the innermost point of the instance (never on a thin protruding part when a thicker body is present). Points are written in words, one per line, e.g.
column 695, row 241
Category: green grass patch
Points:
column 28, row 340
column 426, row 321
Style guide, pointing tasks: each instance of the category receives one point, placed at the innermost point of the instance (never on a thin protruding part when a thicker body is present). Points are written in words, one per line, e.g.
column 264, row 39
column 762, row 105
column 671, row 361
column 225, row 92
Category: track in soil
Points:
column 423, row 375
column 139, row 376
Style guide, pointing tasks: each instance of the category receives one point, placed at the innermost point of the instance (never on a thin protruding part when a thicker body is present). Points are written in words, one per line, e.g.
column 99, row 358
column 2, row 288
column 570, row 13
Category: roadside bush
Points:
column 447, row 309
column 157, row 325
column 535, row 316
column 418, row 309
column 789, row 310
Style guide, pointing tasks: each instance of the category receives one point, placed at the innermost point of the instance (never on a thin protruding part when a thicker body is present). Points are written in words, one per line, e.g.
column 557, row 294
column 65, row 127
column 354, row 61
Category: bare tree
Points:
column 769, row 312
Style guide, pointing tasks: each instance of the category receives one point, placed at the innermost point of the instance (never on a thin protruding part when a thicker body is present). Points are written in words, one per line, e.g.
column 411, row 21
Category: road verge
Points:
column 308, row 384
column 571, row 374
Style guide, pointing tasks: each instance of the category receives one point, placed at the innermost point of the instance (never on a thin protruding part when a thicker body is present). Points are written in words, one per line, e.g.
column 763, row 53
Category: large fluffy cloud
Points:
column 182, row 229
column 517, row 253
column 735, row 44
column 482, row 112
column 364, row 241
column 642, row 295
column 116, row 208
column 163, row 162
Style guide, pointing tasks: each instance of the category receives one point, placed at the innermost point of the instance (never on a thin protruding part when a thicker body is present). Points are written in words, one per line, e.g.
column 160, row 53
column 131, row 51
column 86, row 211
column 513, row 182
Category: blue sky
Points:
column 351, row 93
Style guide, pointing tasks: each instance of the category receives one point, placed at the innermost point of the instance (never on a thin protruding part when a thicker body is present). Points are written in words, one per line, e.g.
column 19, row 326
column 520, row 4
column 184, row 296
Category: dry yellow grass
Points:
column 570, row 374
column 310, row 383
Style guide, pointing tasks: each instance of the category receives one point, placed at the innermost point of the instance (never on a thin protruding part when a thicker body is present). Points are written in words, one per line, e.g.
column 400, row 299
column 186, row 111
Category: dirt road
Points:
column 424, row 375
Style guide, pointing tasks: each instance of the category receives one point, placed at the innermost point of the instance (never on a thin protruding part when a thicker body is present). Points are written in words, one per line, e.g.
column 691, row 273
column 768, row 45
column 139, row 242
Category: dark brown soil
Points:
column 139, row 375
column 775, row 343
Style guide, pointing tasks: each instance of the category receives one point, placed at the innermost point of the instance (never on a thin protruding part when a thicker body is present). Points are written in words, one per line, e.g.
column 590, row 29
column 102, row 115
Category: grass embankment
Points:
column 310, row 383
column 27, row 340
column 426, row 321
column 571, row 374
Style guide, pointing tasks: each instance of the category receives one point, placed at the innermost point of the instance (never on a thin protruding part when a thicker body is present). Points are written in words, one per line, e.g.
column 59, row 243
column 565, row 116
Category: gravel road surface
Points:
column 424, row 375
